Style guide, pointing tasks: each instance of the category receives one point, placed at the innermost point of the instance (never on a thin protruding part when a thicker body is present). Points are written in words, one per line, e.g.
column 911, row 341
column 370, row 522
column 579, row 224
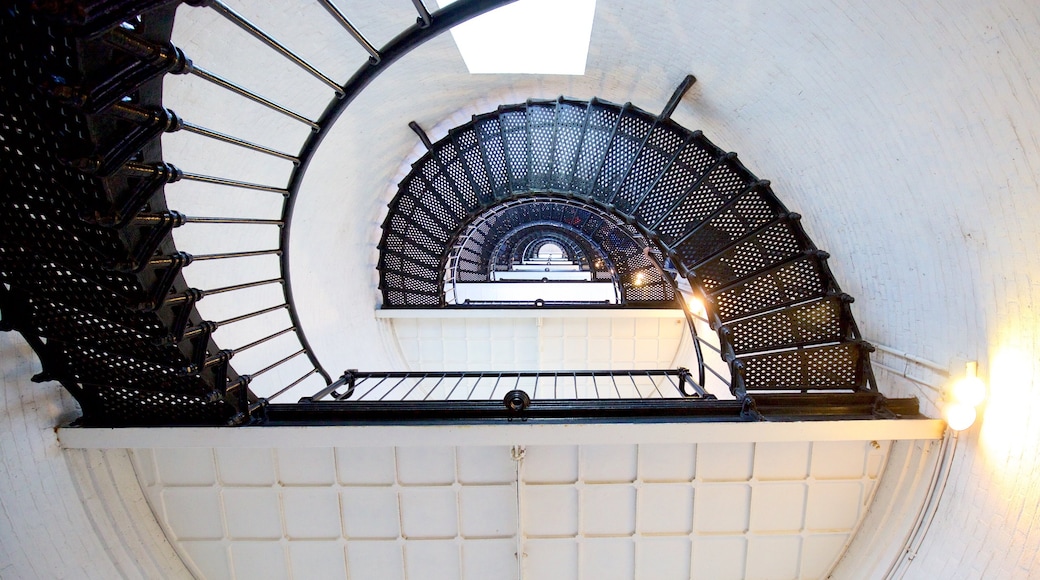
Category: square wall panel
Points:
column 311, row 513
column 365, row 465
column 773, row 557
column 306, row 466
column 489, row 559
column 259, row 560
column 608, row 510
column 375, row 560
column 370, row 512
column 432, row 560
column 787, row 460
column 185, row 466
column 429, row 512
column 208, row 560
column 664, row 462
column 725, row 461
column 550, row 464
column 663, row 557
column 719, row 557
column 665, row 509
column 426, row 465
column 608, row 463
column 550, row 510
column 838, row 459
column 603, row 558
column 193, row 513
column 721, row 508
column 323, row 560
column 485, row 464
column 777, row 507
column 833, row 506
column 819, row 552
column 252, row 513
column 245, row 466
column 488, row 511
column 551, row 558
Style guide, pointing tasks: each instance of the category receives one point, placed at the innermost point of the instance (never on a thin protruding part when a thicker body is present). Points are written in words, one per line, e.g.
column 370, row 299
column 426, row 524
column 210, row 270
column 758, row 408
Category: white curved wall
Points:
column 67, row 513
column 906, row 136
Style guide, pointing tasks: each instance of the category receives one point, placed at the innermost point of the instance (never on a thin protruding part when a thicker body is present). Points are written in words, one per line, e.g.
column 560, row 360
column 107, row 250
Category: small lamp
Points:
column 965, row 395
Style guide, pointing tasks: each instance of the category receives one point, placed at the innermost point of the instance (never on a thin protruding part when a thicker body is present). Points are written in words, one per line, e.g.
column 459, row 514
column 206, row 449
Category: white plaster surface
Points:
column 72, row 513
column 906, row 135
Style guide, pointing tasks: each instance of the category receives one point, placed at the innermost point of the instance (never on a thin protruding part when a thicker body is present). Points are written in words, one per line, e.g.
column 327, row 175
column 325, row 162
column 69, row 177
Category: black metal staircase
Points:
column 90, row 276
column 783, row 321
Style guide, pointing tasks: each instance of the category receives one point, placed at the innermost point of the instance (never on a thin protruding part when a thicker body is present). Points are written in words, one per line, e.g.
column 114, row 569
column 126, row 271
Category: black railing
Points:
column 92, row 278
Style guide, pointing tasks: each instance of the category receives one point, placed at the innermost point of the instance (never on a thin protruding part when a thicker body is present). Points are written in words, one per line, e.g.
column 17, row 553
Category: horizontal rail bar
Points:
column 270, row 41
column 709, row 345
column 243, row 286
column 331, row 387
column 342, row 19
column 251, row 315
column 241, row 91
column 263, row 340
column 278, row 363
column 230, row 255
column 513, row 374
column 232, row 220
column 288, row 387
column 191, row 128
column 166, row 260
column 725, row 380
column 234, row 183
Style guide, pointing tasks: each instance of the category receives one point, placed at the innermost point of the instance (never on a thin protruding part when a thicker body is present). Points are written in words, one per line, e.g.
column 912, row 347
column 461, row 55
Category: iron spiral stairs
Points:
column 784, row 323
column 91, row 277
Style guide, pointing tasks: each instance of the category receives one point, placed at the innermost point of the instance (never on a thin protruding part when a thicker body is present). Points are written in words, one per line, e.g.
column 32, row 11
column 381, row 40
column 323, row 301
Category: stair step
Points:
column 821, row 321
column 489, row 135
column 122, row 406
column 833, row 367
column 728, row 225
column 570, row 133
column 94, row 365
column 724, row 182
column 659, row 150
column 456, row 176
column 471, row 156
column 796, row 281
column 776, row 243
column 599, row 130
column 697, row 157
column 541, row 121
column 632, row 129
column 513, row 121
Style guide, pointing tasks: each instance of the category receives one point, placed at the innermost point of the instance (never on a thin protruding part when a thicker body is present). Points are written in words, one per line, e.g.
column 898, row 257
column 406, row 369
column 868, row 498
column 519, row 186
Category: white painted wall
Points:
column 67, row 514
column 905, row 134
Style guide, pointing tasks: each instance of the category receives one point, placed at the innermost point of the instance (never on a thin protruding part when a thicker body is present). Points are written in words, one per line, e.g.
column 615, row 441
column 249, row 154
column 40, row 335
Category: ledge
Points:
column 546, row 312
column 510, row 434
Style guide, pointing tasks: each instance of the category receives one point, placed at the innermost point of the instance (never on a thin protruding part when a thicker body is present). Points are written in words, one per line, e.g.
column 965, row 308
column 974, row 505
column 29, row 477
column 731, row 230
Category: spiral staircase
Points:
column 92, row 279
column 784, row 323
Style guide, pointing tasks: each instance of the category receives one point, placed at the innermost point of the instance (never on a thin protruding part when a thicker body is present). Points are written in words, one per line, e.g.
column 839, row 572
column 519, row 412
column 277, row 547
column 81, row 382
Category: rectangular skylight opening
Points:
column 546, row 37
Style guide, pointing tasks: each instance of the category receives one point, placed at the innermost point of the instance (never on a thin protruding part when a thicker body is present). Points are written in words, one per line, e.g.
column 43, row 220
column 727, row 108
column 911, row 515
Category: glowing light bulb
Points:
column 959, row 416
column 639, row 279
column 970, row 391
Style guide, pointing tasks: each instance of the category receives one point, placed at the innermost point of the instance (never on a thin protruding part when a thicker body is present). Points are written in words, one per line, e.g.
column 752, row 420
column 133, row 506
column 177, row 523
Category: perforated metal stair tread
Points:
column 706, row 211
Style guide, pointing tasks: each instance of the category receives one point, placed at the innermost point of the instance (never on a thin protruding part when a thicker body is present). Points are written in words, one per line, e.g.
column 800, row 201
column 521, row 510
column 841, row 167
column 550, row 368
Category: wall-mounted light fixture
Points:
column 963, row 397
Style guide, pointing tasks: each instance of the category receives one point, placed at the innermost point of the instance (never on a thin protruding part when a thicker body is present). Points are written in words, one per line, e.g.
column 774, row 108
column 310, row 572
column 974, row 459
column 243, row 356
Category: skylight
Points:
column 528, row 37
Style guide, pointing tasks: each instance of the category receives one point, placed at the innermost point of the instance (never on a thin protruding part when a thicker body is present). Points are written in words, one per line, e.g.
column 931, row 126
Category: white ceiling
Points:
column 707, row 510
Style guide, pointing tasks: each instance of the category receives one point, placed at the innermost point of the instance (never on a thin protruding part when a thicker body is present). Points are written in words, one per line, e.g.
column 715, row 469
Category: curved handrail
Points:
column 413, row 37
